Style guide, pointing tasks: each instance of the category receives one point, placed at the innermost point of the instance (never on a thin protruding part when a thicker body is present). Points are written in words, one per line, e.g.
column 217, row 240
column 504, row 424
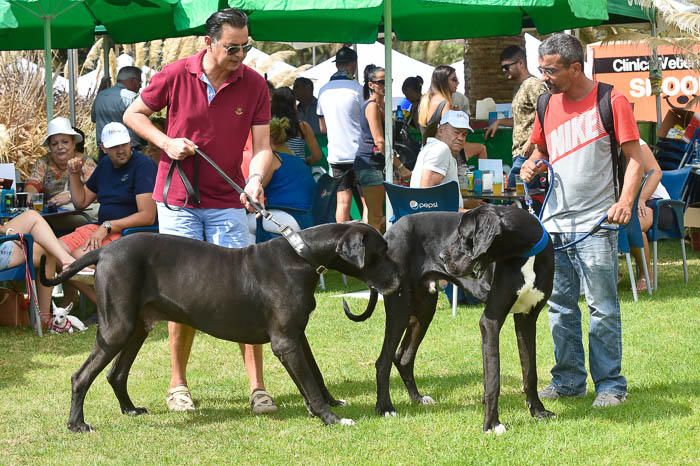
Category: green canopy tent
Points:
column 64, row 24
column 359, row 21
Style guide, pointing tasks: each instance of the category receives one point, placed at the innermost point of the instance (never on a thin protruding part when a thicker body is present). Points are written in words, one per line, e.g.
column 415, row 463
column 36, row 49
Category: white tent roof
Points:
column 264, row 63
column 402, row 67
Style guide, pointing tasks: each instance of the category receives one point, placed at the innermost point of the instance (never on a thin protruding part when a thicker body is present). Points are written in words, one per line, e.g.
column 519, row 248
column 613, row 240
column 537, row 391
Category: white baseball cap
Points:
column 456, row 119
column 114, row 134
column 61, row 125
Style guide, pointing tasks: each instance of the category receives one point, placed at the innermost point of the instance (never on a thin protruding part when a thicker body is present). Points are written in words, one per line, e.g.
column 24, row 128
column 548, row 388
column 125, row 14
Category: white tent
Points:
column 402, row 68
column 264, row 63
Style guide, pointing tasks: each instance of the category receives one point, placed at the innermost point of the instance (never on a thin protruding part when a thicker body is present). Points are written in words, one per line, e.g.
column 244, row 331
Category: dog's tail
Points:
column 373, row 295
column 90, row 258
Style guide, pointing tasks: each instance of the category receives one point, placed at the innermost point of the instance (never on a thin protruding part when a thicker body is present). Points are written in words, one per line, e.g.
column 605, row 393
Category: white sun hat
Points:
column 61, row 125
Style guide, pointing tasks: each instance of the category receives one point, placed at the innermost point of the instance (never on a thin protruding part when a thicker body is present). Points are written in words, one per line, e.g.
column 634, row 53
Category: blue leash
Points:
column 528, row 200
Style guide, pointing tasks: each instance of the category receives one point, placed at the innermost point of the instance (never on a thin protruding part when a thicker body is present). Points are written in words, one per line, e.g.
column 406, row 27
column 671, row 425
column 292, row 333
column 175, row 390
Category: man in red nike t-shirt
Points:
column 575, row 142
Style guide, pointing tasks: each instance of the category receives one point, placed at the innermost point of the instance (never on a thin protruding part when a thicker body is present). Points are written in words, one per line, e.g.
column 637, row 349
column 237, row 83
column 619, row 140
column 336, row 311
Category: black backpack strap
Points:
column 604, row 100
column 542, row 103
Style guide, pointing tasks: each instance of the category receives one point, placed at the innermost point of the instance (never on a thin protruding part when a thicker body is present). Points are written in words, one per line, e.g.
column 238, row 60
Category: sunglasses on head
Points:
column 236, row 48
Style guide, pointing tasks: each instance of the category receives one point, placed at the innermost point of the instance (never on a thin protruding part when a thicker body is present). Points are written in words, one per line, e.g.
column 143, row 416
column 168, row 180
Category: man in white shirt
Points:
column 338, row 110
column 437, row 161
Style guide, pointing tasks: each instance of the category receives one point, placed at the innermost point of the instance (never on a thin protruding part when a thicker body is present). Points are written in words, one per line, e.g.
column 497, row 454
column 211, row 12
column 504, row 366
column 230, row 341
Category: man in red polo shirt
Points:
column 213, row 102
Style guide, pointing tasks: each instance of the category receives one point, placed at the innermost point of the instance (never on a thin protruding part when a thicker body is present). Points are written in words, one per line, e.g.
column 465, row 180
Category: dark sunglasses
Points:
column 234, row 49
column 379, row 81
column 507, row 66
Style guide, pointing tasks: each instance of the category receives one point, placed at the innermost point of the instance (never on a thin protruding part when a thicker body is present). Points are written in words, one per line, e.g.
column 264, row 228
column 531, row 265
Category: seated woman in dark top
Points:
column 290, row 185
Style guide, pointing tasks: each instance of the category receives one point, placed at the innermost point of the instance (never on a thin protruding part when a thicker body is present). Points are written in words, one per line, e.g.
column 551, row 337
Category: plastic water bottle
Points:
column 478, row 181
column 399, row 114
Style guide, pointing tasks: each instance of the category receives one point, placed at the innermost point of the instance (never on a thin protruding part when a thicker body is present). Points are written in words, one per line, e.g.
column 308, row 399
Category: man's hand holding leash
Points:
column 179, row 148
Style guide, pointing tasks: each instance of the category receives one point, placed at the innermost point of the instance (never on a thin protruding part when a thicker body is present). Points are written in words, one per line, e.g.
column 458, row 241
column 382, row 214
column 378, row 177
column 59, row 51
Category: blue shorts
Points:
column 6, row 254
column 369, row 177
column 223, row 227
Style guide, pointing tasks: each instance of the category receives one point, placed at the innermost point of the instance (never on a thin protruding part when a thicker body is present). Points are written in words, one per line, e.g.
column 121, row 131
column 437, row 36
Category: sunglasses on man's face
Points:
column 237, row 48
column 506, row 66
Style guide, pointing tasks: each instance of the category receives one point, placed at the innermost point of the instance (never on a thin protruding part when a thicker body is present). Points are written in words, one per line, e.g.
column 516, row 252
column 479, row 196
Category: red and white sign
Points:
column 626, row 66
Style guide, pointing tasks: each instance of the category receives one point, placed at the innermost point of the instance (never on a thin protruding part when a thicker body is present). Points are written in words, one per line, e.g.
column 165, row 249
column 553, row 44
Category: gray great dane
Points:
column 482, row 251
column 259, row 294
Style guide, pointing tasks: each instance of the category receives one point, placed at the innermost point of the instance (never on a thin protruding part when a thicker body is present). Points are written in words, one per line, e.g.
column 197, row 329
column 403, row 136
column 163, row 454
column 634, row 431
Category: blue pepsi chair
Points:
column 631, row 236
column 405, row 201
column 17, row 273
column 441, row 198
column 675, row 182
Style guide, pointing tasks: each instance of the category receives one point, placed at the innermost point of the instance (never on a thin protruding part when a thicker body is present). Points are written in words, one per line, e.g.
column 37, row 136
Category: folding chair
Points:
column 630, row 236
column 675, row 182
column 25, row 273
column 441, row 198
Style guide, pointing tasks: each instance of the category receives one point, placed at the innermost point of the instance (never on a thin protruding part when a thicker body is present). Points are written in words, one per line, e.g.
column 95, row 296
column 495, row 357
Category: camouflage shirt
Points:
column 524, row 110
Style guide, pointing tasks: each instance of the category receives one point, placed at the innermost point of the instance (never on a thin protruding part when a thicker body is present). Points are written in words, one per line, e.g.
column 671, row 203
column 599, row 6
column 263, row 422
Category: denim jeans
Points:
column 592, row 264
column 223, row 227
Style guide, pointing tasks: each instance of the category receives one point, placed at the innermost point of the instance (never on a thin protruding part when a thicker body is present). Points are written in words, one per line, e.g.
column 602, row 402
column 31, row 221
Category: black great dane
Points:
column 484, row 251
column 259, row 294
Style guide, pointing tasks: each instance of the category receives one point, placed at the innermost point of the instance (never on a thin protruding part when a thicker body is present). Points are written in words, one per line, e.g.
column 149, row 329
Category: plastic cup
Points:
column 497, row 188
column 519, row 186
column 38, row 201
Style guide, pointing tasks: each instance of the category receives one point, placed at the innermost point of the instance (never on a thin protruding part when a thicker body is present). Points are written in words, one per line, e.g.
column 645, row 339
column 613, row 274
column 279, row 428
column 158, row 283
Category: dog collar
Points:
column 539, row 245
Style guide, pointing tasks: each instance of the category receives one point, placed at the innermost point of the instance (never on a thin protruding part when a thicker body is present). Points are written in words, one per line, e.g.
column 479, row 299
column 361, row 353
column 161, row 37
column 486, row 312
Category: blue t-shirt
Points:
column 117, row 188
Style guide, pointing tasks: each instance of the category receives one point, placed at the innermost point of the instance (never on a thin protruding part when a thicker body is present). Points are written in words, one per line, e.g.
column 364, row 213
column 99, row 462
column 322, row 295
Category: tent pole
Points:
column 388, row 105
column 655, row 59
column 48, row 76
column 72, row 55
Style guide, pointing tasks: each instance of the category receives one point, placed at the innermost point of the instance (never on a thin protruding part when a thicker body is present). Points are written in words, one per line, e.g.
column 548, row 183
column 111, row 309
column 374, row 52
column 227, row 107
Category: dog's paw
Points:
column 427, row 400
column 543, row 414
column 346, row 422
column 80, row 427
column 389, row 414
column 500, row 429
column 338, row 402
column 134, row 411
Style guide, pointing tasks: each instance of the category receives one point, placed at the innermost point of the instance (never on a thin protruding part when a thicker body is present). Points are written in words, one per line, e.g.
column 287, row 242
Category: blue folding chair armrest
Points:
column 678, row 208
column 17, row 273
column 147, row 229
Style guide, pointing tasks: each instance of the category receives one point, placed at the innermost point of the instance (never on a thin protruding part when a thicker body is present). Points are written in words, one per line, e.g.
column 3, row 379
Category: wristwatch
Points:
column 107, row 226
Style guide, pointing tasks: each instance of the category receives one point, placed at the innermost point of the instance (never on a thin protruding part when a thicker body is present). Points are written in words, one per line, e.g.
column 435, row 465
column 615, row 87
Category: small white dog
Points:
column 63, row 322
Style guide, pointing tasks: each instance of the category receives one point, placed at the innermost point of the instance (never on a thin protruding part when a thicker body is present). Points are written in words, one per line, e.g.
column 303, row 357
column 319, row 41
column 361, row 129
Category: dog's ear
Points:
column 487, row 227
column 53, row 307
column 351, row 248
column 69, row 307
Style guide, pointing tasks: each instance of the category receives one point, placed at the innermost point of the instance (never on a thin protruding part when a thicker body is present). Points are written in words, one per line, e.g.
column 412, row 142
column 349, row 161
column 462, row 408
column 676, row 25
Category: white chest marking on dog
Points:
column 528, row 295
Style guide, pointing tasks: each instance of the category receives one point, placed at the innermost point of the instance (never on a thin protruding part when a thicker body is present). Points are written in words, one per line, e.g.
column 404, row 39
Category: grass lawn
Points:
column 659, row 423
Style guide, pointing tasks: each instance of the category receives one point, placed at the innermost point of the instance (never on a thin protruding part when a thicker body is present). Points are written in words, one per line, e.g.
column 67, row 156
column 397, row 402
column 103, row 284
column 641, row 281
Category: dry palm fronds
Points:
column 93, row 56
column 139, row 54
column 188, row 46
column 171, row 48
column 155, row 48
column 23, row 111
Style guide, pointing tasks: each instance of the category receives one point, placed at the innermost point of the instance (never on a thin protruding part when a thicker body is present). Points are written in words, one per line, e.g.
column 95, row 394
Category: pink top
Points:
column 219, row 128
